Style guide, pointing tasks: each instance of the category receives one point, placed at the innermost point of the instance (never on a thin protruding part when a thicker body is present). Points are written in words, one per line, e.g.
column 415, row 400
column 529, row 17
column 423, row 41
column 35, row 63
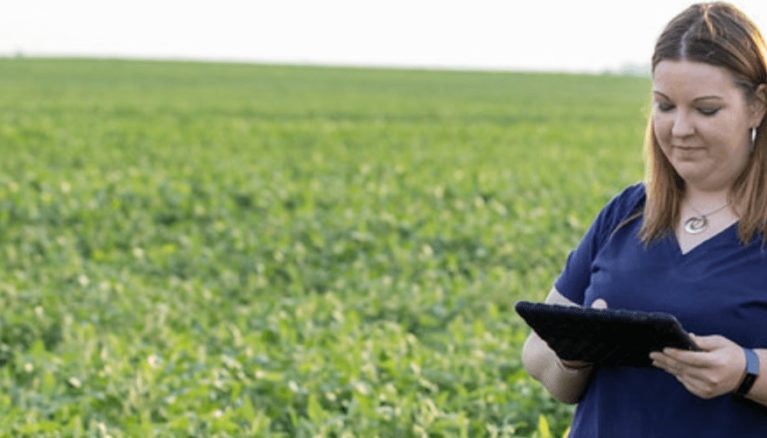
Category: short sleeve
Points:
column 576, row 275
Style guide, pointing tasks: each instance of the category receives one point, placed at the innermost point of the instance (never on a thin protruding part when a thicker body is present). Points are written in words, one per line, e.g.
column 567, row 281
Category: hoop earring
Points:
column 753, row 140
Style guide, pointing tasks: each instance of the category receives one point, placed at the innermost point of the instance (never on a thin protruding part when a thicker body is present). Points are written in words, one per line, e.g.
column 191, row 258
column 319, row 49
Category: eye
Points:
column 664, row 107
column 708, row 111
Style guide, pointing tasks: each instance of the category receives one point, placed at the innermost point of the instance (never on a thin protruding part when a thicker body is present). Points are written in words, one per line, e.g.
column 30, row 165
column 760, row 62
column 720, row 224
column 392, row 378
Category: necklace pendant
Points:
column 695, row 224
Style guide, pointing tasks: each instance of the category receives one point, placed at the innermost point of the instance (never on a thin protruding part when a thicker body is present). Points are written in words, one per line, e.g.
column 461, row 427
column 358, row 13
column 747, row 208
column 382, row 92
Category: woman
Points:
column 690, row 241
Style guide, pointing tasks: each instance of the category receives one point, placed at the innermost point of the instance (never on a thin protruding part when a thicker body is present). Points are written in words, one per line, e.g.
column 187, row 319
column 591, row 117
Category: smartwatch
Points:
column 752, row 372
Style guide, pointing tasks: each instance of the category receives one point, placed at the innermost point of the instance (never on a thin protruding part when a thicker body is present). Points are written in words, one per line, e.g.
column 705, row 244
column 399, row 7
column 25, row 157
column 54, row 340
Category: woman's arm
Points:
column 717, row 370
column 564, row 383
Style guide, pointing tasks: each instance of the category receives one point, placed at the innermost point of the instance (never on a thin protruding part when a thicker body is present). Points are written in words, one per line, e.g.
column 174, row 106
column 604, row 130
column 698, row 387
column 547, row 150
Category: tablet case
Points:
column 605, row 337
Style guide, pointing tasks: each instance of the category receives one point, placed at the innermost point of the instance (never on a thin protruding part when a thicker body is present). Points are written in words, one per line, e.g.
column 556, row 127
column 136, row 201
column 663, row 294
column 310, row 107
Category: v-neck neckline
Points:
column 717, row 236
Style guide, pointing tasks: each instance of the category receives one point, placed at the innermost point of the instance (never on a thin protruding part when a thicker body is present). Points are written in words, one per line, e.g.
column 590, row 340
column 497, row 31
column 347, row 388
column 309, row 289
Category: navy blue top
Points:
column 719, row 287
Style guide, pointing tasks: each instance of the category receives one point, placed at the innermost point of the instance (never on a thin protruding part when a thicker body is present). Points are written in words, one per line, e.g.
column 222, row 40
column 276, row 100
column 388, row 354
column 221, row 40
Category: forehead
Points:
column 691, row 79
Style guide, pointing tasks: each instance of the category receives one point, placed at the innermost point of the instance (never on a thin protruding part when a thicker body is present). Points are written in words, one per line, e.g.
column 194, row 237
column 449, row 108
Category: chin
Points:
column 692, row 174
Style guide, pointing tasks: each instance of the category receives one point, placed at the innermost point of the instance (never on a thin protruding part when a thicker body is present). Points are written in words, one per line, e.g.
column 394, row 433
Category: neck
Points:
column 706, row 199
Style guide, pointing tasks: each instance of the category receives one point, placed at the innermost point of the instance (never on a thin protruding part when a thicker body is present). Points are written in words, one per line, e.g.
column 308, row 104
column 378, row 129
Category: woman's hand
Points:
column 716, row 370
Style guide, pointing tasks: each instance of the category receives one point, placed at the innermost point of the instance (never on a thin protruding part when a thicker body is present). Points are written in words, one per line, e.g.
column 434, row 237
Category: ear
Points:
column 759, row 105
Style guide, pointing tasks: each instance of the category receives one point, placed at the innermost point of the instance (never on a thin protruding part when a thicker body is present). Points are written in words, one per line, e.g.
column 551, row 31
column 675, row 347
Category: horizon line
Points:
column 634, row 70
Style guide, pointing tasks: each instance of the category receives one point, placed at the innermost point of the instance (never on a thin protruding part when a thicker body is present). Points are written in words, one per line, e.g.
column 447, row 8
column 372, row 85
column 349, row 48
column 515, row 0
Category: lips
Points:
column 688, row 148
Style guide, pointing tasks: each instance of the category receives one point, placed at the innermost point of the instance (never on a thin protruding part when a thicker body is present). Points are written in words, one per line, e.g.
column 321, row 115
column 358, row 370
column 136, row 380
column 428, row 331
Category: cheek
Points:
column 726, row 136
column 661, row 128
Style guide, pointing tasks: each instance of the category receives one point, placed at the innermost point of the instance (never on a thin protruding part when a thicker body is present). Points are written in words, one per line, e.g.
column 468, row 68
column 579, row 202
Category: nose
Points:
column 683, row 126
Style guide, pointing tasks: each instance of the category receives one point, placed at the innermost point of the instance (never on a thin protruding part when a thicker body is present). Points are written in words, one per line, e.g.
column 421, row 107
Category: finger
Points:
column 673, row 366
column 663, row 366
column 599, row 303
column 708, row 343
column 693, row 379
column 696, row 359
column 658, row 358
column 664, row 359
column 665, row 363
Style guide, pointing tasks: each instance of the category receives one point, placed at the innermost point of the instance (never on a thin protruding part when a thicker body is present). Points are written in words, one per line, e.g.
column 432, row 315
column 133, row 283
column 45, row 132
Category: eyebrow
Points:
column 694, row 100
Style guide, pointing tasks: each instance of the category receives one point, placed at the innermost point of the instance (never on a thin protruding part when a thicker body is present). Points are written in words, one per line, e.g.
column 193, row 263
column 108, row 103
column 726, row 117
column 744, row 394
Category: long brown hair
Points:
column 721, row 35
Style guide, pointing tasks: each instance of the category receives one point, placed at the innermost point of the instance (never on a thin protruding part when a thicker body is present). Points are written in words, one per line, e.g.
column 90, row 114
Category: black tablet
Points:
column 605, row 337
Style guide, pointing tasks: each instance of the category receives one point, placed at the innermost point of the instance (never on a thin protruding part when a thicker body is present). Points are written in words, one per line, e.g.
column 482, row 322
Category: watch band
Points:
column 752, row 372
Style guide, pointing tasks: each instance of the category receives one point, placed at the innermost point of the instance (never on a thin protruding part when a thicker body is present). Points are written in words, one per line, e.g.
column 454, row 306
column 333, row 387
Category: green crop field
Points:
column 192, row 249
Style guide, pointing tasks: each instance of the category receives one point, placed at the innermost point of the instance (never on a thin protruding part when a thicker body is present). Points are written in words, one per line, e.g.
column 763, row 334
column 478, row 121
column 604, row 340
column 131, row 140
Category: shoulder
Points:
column 625, row 203
column 622, row 206
column 628, row 200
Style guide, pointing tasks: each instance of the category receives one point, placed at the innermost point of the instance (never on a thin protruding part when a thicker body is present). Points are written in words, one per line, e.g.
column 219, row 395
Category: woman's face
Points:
column 702, row 121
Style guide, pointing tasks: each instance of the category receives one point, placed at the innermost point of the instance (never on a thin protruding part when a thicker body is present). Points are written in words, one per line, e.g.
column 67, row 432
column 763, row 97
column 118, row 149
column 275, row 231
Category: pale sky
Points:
column 583, row 35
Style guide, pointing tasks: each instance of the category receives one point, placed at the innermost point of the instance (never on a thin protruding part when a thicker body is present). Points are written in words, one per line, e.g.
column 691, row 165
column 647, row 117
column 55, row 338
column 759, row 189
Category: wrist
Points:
column 750, row 374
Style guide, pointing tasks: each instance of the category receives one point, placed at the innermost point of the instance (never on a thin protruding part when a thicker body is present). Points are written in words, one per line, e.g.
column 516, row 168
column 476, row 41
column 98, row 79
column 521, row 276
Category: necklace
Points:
column 698, row 224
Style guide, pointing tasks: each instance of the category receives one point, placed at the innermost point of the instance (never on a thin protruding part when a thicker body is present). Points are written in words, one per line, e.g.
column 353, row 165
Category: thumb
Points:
column 599, row 303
